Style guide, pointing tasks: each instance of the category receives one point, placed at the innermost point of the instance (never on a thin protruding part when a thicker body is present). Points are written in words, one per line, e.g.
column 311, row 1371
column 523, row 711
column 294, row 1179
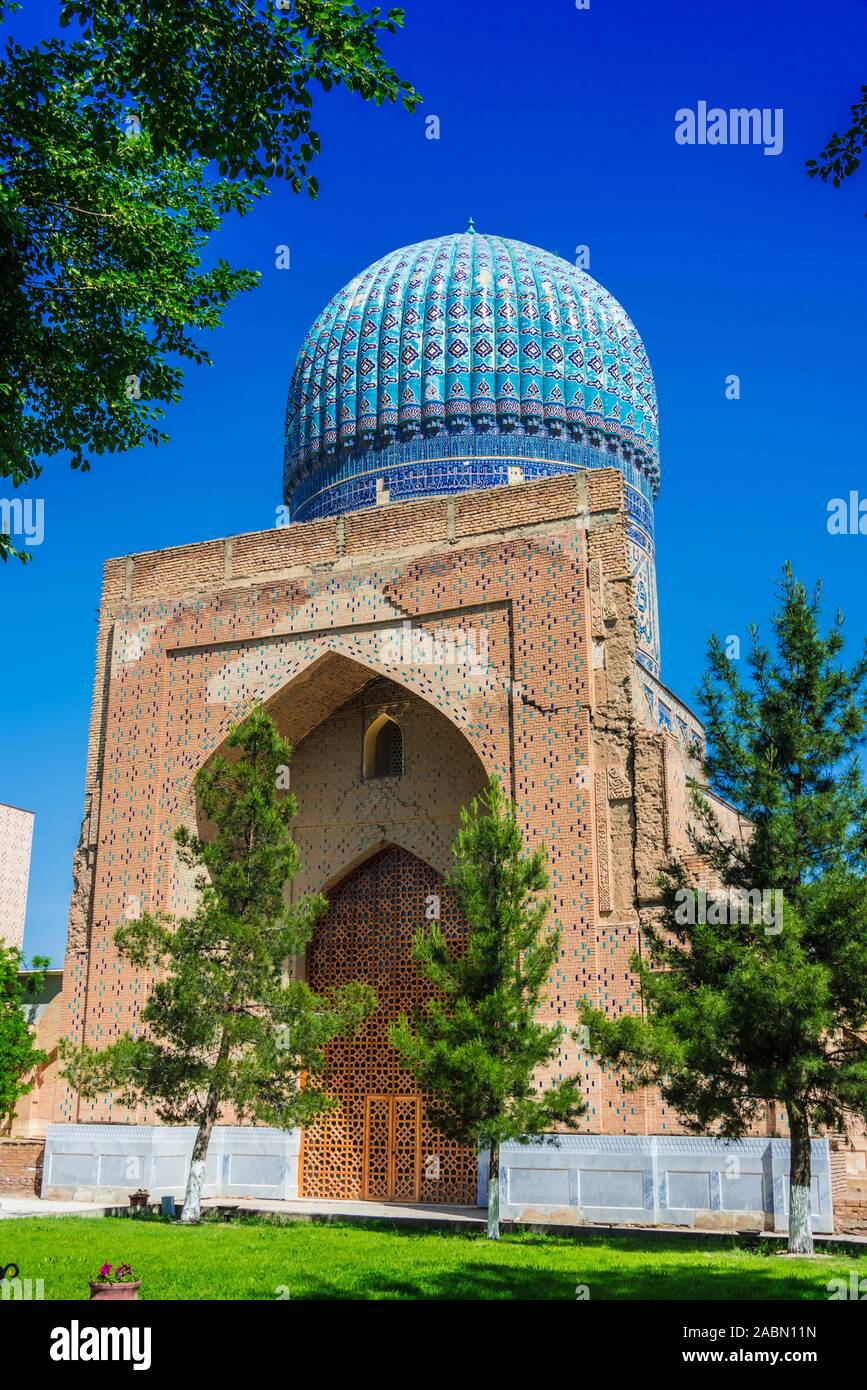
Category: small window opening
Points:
column 383, row 748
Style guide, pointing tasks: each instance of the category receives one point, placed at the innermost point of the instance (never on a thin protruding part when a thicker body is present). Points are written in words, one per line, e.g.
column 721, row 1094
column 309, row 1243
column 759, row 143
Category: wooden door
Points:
column 392, row 1152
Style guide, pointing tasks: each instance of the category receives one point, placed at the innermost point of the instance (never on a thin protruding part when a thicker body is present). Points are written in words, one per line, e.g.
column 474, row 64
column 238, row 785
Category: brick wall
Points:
column 21, row 1165
column 295, row 617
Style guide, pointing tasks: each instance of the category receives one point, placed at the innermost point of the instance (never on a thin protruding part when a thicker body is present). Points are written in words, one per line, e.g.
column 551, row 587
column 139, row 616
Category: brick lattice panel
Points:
column 367, row 934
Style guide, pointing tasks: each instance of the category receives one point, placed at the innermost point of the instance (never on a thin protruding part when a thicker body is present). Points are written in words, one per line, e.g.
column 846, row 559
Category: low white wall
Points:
column 107, row 1162
column 738, row 1184
column 633, row 1180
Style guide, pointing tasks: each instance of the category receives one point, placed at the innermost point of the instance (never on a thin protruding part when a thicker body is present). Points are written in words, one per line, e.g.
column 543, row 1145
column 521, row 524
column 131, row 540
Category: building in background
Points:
column 16, row 838
column 34, row 1110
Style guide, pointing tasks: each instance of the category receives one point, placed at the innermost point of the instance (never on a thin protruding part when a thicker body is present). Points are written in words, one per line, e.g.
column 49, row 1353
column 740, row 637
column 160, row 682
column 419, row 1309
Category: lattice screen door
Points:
column 392, row 1153
column 381, row 1144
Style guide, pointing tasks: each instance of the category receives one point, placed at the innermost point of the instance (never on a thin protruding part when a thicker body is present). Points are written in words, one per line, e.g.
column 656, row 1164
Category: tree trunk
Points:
column 800, row 1226
column 192, row 1211
column 494, row 1192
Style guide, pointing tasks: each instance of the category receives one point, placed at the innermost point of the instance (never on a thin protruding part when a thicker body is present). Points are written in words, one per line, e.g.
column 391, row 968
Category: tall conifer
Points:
column 477, row 1045
column 764, row 1001
column 226, row 1028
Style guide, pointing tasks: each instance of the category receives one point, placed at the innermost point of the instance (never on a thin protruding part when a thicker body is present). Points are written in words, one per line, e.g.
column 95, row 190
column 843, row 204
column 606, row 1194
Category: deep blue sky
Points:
column 557, row 128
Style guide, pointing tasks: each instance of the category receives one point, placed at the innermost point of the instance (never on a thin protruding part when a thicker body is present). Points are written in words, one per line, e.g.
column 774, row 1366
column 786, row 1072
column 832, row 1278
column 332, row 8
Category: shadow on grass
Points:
column 642, row 1267
column 255, row 1257
column 485, row 1281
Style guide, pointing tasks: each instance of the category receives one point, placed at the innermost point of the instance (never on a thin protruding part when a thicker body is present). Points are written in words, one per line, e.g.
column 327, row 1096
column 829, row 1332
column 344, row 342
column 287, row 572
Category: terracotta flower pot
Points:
column 115, row 1293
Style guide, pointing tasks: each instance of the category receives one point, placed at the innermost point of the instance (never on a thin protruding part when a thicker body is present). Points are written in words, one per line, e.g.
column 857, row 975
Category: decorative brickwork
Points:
column 16, row 834
column 499, row 629
column 343, row 816
column 44, row 1012
column 187, row 651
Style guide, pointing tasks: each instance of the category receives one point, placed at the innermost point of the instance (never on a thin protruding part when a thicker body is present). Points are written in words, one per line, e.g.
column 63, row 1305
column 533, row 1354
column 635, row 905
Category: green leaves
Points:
column 232, row 82
column 739, row 1012
column 122, row 148
column 841, row 156
column 784, row 748
column 19, row 1055
column 101, row 287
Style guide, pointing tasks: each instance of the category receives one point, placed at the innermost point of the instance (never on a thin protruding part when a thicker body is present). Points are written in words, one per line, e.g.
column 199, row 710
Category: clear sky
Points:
column 557, row 127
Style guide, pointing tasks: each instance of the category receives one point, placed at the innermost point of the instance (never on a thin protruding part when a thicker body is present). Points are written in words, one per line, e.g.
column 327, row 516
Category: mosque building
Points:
column 466, row 585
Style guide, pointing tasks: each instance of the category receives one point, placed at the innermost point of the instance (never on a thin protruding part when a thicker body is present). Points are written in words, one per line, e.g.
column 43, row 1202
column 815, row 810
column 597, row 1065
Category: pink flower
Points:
column 118, row 1274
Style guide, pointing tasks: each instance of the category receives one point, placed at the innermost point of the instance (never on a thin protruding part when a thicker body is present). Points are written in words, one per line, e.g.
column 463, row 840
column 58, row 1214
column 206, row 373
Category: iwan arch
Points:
column 471, row 449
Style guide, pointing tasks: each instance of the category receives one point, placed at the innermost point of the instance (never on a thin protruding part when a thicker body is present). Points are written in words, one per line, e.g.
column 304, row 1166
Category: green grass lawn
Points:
column 254, row 1258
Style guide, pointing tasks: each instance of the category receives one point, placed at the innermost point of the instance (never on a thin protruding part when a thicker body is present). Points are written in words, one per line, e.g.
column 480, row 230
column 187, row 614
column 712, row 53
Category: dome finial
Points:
column 471, row 226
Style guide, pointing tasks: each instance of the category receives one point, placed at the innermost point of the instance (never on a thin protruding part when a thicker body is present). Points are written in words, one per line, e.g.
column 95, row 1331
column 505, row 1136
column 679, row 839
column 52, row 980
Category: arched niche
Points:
column 383, row 748
column 380, row 1144
column 327, row 712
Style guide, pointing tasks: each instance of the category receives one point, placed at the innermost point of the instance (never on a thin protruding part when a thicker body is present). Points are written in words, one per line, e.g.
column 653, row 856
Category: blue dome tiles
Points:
column 448, row 363
column 459, row 336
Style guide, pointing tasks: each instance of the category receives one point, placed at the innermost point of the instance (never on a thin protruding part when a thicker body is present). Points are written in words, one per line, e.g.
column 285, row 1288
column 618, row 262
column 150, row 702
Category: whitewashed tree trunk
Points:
column 192, row 1212
column 494, row 1192
column 800, row 1224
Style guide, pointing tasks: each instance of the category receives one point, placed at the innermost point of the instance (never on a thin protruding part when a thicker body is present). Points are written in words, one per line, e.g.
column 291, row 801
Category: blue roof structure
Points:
column 448, row 361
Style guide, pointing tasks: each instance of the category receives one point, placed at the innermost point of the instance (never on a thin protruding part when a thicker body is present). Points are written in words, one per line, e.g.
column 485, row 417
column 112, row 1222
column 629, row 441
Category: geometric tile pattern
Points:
column 462, row 337
column 450, row 363
column 16, row 835
column 303, row 618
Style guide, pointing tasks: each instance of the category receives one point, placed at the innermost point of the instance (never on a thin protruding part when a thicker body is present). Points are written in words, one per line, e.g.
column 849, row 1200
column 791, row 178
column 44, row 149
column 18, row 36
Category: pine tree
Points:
column 760, row 999
column 226, row 1027
column 19, row 1055
column 477, row 1044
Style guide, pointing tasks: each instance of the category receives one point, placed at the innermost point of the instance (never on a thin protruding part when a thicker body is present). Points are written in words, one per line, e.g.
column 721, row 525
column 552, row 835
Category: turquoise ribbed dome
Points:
column 458, row 354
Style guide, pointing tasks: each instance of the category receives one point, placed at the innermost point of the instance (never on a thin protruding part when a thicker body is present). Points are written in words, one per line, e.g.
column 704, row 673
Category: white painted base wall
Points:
column 107, row 1162
column 657, row 1180
column 635, row 1180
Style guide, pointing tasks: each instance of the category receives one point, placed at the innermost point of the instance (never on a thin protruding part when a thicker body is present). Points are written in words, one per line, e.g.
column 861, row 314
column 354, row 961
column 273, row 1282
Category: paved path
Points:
column 20, row 1205
column 420, row 1214
column 309, row 1209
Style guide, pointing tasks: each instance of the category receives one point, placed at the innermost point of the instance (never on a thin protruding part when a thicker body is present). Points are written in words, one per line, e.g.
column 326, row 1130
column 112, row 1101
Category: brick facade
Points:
column 328, row 623
column 45, row 1013
column 21, row 1166
column 302, row 618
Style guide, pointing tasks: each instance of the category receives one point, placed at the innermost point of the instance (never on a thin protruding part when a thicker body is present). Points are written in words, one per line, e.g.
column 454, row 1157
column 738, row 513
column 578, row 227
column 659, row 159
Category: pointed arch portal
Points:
column 380, row 1145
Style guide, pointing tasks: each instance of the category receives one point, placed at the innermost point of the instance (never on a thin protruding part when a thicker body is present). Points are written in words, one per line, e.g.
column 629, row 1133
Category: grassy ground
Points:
column 254, row 1258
